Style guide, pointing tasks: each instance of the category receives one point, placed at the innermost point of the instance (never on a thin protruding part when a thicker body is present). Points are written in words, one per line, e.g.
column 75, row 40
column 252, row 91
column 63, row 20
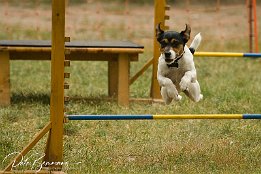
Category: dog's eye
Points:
column 164, row 41
column 163, row 44
column 174, row 42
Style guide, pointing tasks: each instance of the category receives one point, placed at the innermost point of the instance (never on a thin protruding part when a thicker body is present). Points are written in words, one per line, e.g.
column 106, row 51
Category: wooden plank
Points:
column 54, row 148
column 123, row 80
column 83, row 56
column 4, row 78
column 25, row 49
column 30, row 55
column 108, row 50
column 72, row 49
column 73, row 44
column 74, row 56
column 31, row 144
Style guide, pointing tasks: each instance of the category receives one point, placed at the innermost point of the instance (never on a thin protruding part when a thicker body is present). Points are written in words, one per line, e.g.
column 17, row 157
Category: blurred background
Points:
column 223, row 23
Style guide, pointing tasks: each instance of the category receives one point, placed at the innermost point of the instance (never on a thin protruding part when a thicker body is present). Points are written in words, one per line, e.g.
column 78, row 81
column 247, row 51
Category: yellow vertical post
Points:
column 159, row 17
column 54, row 148
column 250, row 19
column 255, row 26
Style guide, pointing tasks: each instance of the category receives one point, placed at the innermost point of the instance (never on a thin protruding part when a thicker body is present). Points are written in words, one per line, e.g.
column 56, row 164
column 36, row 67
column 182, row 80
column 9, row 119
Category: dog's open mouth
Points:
column 168, row 60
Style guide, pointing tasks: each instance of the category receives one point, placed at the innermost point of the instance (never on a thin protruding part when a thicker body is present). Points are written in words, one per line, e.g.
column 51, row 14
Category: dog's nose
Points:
column 167, row 54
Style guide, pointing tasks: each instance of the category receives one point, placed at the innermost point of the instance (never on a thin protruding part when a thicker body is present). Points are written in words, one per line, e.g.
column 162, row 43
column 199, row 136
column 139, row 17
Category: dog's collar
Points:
column 175, row 64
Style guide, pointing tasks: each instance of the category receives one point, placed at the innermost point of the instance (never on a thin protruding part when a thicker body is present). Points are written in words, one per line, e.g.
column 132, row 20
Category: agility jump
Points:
column 227, row 54
column 163, row 117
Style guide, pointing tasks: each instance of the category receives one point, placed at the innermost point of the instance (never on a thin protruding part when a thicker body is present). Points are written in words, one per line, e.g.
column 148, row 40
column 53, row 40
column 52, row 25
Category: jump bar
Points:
column 150, row 117
column 109, row 117
column 227, row 54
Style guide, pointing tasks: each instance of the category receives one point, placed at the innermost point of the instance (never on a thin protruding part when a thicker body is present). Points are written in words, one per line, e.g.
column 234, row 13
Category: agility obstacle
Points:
column 160, row 117
column 227, row 54
column 54, row 144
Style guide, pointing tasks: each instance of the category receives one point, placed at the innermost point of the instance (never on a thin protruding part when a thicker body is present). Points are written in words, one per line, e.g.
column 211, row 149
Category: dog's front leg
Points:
column 168, row 89
column 189, row 77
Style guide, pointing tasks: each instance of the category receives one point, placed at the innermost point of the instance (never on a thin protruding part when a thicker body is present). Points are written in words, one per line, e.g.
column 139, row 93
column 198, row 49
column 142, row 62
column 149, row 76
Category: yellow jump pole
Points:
column 199, row 116
column 54, row 148
column 227, row 54
column 218, row 54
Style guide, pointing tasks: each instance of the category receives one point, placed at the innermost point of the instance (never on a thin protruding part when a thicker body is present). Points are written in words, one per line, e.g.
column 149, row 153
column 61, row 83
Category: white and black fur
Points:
column 176, row 69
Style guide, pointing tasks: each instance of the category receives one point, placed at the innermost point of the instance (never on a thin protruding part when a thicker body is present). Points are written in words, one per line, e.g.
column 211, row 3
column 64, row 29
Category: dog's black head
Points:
column 172, row 43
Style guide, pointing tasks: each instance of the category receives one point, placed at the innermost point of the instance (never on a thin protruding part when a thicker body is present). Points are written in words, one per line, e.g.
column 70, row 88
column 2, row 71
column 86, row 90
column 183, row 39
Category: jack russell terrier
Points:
column 176, row 69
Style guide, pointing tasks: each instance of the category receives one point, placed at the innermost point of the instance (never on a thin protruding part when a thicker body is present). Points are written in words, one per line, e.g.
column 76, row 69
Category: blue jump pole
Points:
column 109, row 117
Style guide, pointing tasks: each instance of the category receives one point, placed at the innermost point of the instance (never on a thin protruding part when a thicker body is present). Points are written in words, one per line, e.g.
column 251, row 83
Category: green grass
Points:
column 163, row 146
column 167, row 146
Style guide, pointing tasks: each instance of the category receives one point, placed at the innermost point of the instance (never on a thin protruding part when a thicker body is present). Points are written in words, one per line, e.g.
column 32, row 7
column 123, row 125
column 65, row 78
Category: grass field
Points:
column 166, row 146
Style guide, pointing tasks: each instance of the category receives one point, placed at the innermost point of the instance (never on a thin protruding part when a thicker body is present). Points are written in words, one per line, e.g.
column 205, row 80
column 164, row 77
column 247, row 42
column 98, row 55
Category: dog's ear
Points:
column 159, row 31
column 186, row 33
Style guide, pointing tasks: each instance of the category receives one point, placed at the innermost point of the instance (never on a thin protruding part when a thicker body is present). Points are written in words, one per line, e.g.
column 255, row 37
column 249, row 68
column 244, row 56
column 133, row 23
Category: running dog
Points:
column 176, row 70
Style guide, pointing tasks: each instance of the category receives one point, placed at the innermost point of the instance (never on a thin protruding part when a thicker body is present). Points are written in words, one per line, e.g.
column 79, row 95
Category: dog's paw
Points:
column 184, row 84
column 172, row 91
column 201, row 97
column 178, row 98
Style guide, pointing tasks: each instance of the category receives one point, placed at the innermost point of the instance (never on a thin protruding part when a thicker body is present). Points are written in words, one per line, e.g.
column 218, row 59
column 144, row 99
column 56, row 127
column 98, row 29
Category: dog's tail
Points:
column 195, row 43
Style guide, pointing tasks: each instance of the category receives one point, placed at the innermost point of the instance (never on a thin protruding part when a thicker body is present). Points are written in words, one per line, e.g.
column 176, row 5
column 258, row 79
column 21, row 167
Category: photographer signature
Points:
column 34, row 162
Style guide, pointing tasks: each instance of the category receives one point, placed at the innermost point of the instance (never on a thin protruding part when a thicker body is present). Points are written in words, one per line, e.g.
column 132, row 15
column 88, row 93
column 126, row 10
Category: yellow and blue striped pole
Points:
column 152, row 117
column 227, row 54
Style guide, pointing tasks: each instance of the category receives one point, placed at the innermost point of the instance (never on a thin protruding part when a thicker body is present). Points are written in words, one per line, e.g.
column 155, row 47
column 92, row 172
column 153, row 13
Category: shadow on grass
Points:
column 92, row 100
column 41, row 98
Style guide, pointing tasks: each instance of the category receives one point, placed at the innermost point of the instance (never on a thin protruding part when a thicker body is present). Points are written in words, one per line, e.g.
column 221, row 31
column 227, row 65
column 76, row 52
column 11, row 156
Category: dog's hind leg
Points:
column 194, row 92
